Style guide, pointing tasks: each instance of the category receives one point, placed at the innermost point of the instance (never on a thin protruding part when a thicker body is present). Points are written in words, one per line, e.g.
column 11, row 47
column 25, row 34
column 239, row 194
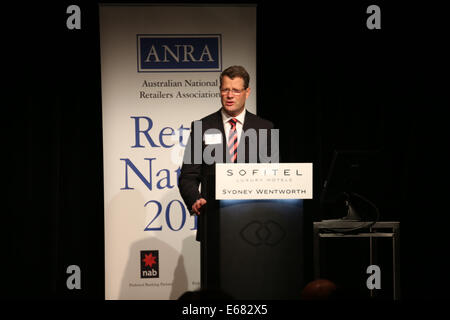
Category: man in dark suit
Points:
column 229, row 131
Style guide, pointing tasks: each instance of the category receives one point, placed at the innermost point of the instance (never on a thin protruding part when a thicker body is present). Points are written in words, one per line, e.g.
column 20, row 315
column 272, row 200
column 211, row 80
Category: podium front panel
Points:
column 264, row 248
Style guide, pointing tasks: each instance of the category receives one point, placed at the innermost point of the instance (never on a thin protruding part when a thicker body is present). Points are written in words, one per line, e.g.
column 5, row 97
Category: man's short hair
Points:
column 236, row 71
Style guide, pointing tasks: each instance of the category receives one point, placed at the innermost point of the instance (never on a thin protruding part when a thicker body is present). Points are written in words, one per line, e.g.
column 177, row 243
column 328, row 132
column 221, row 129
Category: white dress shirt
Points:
column 239, row 125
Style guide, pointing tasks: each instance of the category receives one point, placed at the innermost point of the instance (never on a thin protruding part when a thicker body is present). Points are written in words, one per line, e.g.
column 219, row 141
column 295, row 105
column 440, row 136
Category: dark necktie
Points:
column 232, row 140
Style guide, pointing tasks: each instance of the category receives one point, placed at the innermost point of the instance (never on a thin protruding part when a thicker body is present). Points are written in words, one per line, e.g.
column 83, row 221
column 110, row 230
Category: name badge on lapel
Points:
column 214, row 138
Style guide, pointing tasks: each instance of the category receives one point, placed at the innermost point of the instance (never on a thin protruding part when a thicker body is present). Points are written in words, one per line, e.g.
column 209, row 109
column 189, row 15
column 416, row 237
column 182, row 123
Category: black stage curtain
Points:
column 53, row 153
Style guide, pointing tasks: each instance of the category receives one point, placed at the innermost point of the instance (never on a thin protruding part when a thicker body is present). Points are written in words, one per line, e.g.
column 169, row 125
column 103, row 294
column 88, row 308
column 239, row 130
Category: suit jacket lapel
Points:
column 219, row 125
column 248, row 124
column 247, row 121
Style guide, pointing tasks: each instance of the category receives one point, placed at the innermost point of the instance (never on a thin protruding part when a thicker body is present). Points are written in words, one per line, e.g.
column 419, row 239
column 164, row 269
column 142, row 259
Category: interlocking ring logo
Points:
column 258, row 233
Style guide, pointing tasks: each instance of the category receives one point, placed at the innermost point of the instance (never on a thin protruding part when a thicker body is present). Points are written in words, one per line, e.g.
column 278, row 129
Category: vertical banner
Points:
column 160, row 68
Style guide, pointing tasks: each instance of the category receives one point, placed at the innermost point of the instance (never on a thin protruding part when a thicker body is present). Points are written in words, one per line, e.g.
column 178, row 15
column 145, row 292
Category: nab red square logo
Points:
column 150, row 264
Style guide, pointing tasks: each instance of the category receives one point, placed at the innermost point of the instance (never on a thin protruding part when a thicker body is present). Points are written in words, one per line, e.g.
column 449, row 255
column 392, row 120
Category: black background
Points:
column 324, row 79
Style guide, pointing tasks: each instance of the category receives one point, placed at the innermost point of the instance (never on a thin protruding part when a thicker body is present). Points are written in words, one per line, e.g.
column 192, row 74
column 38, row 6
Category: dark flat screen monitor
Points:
column 353, row 189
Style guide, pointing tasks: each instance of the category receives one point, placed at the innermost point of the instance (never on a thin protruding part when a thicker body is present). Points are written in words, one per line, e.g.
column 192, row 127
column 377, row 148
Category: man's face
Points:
column 233, row 95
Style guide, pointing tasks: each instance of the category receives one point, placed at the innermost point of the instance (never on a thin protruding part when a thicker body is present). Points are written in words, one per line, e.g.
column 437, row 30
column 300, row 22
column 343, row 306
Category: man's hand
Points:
column 197, row 205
